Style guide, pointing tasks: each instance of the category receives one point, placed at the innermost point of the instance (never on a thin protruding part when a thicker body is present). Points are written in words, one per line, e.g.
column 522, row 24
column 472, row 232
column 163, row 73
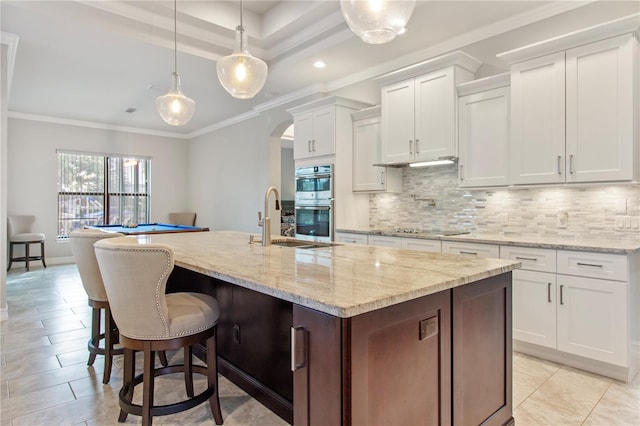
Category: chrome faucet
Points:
column 266, row 222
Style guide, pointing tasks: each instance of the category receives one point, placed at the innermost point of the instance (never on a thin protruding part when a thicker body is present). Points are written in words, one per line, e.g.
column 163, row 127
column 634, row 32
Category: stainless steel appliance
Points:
column 314, row 203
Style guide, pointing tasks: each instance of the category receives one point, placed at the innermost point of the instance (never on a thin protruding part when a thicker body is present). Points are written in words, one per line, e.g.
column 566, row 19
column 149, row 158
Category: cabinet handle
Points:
column 558, row 165
column 469, row 252
column 410, row 147
column 594, row 265
column 309, row 145
column 461, row 172
column 417, row 146
column 549, row 292
column 313, row 145
column 571, row 164
column 295, row 365
column 532, row 259
column 381, row 178
column 561, row 299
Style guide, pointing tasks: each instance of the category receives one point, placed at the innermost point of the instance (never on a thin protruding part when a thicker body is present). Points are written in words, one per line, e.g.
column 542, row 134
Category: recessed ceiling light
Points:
column 130, row 110
column 319, row 64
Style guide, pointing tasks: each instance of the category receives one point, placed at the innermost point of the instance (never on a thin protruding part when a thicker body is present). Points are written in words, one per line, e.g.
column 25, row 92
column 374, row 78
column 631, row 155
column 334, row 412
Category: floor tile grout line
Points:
column 597, row 402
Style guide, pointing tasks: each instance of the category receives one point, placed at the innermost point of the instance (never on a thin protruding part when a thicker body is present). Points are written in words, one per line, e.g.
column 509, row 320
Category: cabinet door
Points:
column 303, row 133
column 483, row 138
column 366, row 153
column 600, row 97
column 538, row 120
column 385, row 241
column 534, row 307
column 435, row 99
column 401, row 364
column 317, row 376
column 323, row 141
column 592, row 318
column 397, row 122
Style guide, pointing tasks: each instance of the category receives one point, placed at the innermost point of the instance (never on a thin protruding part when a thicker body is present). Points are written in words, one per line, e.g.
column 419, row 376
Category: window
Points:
column 98, row 189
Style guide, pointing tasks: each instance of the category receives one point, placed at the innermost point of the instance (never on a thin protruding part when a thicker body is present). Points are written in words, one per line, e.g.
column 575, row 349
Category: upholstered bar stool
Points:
column 19, row 232
column 135, row 277
column 82, row 247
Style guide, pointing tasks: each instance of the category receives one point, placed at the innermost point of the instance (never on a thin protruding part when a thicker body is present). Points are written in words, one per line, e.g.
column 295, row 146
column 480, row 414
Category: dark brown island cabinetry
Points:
column 440, row 359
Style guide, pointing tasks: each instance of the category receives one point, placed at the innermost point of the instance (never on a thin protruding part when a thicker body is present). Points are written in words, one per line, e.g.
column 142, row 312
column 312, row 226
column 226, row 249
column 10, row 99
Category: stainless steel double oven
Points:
column 314, row 203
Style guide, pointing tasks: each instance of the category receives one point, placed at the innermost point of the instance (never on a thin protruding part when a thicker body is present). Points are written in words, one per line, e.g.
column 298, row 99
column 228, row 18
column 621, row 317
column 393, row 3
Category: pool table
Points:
column 148, row 228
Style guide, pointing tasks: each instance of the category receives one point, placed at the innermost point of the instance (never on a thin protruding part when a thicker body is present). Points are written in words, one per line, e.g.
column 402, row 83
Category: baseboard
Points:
column 617, row 372
column 60, row 260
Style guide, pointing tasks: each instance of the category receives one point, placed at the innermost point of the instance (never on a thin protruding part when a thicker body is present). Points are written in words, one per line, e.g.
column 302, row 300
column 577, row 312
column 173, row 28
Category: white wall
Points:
column 3, row 180
column 230, row 170
column 288, row 174
column 32, row 170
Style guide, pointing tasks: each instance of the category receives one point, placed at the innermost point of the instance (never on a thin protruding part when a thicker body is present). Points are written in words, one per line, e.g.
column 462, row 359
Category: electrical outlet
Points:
column 504, row 219
column 619, row 222
column 563, row 219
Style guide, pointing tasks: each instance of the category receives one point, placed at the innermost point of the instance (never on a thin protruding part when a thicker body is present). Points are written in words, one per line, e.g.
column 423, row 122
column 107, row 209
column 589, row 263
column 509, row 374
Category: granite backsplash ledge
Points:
column 588, row 211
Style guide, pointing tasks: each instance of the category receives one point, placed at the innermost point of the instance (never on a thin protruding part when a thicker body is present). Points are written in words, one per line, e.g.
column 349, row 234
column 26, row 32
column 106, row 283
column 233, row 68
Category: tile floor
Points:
column 45, row 379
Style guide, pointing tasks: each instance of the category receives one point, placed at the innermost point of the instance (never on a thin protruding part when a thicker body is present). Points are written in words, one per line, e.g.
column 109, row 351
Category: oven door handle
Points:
column 299, row 177
column 313, row 207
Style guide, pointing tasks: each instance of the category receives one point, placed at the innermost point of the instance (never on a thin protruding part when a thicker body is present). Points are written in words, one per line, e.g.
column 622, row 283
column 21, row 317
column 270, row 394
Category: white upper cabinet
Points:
column 537, row 120
column 483, row 135
column 314, row 133
column 419, row 109
column 318, row 125
column 572, row 111
column 600, row 110
column 366, row 153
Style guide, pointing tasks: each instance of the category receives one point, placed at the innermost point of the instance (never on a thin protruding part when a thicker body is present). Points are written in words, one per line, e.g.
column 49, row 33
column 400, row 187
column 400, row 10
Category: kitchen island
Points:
column 373, row 335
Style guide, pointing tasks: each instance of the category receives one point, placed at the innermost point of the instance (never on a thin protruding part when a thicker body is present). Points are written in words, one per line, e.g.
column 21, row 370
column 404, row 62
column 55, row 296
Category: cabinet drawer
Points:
column 471, row 249
column 434, row 246
column 532, row 259
column 384, row 241
column 595, row 265
column 352, row 238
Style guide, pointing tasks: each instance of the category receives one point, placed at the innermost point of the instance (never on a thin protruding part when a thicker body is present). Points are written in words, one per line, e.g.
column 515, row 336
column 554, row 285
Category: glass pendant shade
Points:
column 377, row 21
column 241, row 74
column 174, row 107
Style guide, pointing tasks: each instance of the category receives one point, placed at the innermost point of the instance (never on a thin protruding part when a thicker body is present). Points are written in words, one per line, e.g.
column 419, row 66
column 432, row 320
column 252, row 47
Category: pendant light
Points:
column 174, row 107
column 241, row 74
column 377, row 21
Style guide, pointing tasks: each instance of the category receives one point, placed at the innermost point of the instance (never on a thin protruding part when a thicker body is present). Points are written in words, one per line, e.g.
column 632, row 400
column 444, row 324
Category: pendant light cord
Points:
column 175, row 35
column 242, row 29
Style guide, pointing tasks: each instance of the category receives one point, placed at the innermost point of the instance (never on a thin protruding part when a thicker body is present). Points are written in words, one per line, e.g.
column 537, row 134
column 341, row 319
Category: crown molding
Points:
column 93, row 125
column 225, row 123
column 482, row 84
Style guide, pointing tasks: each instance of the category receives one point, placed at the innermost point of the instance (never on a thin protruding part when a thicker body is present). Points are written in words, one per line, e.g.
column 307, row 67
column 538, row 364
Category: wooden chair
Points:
column 135, row 277
column 19, row 232
column 184, row 218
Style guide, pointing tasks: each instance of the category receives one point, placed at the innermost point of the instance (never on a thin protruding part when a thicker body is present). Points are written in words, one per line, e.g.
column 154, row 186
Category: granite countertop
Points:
column 619, row 245
column 340, row 280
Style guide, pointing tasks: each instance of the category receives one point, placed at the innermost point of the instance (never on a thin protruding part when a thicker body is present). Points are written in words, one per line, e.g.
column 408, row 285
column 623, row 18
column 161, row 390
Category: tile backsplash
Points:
column 431, row 200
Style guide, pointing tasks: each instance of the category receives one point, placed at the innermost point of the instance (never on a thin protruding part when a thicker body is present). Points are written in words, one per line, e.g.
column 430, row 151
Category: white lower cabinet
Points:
column 419, row 244
column 592, row 318
column 385, row 241
column 534, row 307
column 575, row 303
column 348, row 238
column 471, row 249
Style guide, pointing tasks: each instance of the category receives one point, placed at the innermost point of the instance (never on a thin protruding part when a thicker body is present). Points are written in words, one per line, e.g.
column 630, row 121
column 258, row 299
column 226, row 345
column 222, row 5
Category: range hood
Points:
column 448, row 159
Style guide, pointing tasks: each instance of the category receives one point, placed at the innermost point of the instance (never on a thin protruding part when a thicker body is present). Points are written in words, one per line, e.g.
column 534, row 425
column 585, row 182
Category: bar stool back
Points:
column 135, row 276
column 82, row 247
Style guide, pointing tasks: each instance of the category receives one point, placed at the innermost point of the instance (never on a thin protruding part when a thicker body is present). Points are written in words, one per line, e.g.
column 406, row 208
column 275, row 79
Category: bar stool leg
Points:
column 26, row 255
column 108, row 345
column 147, row 384
column 94, row 341
column 10, row 256
column 188, row 371
column 127, row 379
column 212, row 378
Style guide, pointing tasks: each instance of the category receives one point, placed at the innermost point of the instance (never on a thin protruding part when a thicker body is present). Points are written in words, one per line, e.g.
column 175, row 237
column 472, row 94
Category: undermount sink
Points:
column 301, row 244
